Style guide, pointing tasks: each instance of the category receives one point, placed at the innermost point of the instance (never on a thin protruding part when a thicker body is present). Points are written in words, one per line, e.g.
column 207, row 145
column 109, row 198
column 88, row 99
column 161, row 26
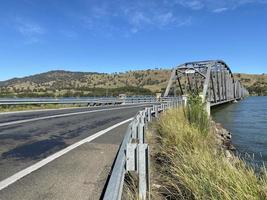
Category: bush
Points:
column 196, row 114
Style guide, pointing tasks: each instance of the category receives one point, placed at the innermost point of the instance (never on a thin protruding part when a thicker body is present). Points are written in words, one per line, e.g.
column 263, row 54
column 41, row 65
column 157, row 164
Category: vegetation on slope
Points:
column 255, row 83
column 64, row 84
column 189, row 163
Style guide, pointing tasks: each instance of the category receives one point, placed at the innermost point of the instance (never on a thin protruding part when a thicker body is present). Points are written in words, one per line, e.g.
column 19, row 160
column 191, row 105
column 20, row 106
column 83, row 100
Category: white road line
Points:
column 12, row 179
column 61, row 115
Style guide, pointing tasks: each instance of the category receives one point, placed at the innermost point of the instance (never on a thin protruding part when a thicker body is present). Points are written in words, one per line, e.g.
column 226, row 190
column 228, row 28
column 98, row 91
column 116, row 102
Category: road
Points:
column 80, row 173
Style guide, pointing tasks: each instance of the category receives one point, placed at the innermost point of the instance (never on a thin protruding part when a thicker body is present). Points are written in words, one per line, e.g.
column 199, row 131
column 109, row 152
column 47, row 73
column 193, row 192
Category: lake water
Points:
column 247, row 121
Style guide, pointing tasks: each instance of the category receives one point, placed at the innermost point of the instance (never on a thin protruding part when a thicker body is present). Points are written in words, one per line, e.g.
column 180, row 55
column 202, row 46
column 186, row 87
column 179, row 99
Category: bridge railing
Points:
column 133, row 155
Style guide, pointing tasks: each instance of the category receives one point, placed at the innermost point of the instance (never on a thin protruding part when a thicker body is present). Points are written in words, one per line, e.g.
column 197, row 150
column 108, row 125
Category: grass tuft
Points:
column 196, row 114
column 191, row 165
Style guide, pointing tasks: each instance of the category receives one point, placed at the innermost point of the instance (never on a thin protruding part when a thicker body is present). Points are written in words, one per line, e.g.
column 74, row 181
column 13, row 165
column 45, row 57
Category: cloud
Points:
column 216, row 6
column 69, row 33
column 192, row 4
column 220, row 10
column 166, row 19
column 139, row 18
column 28, row 28
column 130, row 17
column 140, row 21
column 31, row 31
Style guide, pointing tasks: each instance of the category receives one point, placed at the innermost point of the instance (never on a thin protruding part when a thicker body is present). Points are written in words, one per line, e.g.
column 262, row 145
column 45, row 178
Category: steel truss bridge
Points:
column 212, row 79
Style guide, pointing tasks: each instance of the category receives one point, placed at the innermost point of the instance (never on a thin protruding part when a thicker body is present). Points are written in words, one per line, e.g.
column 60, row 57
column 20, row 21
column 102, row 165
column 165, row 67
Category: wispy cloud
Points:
column 217, row 6
column 133, row 16
column 192, row 4
column 68, row 33
column 140, row 20
column 29, row 29
column 220, row 10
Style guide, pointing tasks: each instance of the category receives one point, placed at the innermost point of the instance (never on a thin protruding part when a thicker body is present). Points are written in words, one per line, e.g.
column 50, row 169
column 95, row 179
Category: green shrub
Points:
column 196, row 113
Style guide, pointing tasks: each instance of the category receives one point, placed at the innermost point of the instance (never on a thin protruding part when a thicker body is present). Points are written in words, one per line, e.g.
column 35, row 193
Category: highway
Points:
column 28, row 138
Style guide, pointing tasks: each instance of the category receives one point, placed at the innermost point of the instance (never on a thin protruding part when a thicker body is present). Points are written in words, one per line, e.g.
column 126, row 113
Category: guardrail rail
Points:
column 133, row 155
column 84, row 101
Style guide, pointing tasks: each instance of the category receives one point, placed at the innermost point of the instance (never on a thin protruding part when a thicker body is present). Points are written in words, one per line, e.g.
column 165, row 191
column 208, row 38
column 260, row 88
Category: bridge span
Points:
column 212, row 79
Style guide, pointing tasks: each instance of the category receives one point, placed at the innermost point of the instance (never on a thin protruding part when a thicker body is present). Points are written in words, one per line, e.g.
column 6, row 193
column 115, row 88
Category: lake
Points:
column 247, row 121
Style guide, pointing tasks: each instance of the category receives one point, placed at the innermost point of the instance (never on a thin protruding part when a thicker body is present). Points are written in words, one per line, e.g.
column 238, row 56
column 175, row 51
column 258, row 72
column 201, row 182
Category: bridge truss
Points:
column 212, row 79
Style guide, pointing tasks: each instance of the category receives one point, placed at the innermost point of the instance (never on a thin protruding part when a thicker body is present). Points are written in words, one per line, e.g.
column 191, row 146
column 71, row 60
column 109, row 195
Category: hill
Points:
column 65, row 83
column 142, row 82
column 255, row 83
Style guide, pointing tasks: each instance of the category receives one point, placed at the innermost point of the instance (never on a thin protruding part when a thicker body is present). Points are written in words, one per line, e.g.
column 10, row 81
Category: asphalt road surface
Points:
column 78, row 174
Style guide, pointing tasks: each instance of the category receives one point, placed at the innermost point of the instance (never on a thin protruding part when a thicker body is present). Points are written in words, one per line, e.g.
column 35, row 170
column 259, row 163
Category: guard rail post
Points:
column 149, row 115
column 143, row 170
column 134, row 154
column 156, row 111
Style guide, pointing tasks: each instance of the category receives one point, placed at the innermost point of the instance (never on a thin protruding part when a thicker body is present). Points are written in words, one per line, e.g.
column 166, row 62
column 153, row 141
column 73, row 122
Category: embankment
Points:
column 192, row 161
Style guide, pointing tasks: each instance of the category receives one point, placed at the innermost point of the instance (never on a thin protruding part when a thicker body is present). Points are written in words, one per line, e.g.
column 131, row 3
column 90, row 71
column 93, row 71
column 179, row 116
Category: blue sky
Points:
column 120, row 35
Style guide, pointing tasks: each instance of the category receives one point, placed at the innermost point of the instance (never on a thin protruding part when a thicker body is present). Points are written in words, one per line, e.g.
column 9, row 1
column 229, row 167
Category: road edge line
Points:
column 19, row 175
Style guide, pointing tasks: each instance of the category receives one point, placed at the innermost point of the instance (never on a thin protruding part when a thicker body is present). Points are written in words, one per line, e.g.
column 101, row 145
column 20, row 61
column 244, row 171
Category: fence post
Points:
column 156, row 111
column 146, row 113
column 134, row 129
column 143, row 170
column 143, row 116
column 184, row 98
column 149, row 114
column 208, row 108
column 131, row 157
column 141, row 132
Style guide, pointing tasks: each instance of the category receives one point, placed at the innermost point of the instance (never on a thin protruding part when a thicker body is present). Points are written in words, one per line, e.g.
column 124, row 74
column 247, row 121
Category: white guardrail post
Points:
column 133, row 155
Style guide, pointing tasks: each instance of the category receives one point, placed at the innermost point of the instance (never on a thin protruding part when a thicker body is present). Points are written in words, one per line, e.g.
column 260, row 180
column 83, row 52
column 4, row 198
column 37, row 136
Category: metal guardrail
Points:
column 88, row 102
column 133, row 154
column 61, row 101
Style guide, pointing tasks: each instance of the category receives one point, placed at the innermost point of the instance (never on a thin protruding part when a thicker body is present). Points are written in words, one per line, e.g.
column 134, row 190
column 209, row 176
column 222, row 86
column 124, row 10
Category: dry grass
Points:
column 130, row 187
column 190, row 165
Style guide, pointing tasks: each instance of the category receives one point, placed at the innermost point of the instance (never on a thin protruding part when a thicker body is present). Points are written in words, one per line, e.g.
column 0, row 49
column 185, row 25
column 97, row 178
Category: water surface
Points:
column 247, row 121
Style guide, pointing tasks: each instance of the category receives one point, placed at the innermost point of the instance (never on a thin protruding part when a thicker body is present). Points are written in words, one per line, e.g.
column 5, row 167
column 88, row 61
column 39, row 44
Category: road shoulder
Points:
column 79, row 174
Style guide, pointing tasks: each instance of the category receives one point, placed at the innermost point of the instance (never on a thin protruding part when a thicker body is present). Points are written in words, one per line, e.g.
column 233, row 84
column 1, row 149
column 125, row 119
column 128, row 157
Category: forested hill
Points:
column 142, row 82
